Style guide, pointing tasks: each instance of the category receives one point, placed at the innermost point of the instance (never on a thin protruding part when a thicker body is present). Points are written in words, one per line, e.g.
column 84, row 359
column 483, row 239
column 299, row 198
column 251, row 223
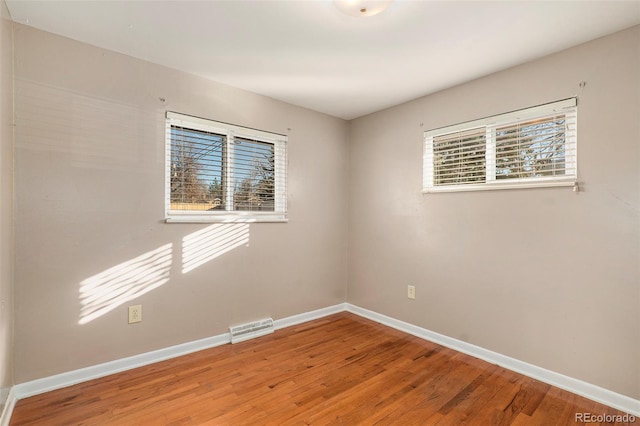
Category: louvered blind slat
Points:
column 531, row 148
column 459, row 157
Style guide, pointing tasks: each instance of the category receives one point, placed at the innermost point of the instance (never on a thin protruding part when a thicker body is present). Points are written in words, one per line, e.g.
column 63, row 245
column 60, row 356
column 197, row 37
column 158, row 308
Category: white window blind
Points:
column 526, row 148
column 459, row 157
column 216, row 171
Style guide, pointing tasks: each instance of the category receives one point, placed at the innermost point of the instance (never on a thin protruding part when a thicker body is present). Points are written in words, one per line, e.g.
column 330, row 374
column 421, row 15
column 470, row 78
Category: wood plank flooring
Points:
column 338, row 370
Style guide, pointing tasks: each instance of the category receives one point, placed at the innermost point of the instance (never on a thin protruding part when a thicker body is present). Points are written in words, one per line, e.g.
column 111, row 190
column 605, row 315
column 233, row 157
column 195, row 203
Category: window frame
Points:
column 230, row 132
column 568, row 107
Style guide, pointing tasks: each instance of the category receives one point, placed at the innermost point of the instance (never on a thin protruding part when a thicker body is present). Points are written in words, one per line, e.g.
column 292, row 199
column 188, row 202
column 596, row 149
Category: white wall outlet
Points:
column 411, row 291
column 135, row 313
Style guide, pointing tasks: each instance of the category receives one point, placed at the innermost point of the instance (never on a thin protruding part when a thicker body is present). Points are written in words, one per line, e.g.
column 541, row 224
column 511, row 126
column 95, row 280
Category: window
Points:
column 221, row 172
column 526, row 148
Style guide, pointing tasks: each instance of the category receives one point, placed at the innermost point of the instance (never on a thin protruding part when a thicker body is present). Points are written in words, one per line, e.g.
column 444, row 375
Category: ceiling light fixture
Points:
column 362, row 7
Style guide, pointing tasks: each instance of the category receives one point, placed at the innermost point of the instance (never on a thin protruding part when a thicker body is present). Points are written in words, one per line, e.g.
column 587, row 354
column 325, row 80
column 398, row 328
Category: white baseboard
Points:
column 9, row 404
column 4, row 394
column 309, row 316
column 587, row 390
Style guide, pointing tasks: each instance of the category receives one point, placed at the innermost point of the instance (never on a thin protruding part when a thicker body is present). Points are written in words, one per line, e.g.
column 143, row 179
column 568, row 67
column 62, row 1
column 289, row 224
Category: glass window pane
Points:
column 197, row 170
column 253, row 175
column 459, row 158
column 531, row 149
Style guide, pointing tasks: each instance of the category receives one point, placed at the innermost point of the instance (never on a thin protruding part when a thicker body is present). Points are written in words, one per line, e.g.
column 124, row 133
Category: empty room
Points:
column 319, row 212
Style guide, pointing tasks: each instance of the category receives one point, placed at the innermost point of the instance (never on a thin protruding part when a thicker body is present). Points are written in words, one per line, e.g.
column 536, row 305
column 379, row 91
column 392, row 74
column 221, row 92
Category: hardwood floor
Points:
column 338, row 370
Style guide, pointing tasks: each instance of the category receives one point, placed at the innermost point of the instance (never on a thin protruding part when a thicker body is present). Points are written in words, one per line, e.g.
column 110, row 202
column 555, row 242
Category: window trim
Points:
column 230, row 131
column 490, row 124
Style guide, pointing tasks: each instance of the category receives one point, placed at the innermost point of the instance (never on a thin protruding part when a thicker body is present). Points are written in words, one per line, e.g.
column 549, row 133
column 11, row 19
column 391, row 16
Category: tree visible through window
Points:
column 254, row 165
column 197, row 165
column 531, row 149
column 459, row 157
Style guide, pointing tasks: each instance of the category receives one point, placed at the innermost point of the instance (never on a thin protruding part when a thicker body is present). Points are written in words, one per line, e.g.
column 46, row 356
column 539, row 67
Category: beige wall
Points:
column 6, row 200
column 546, row 276
column 89, row 197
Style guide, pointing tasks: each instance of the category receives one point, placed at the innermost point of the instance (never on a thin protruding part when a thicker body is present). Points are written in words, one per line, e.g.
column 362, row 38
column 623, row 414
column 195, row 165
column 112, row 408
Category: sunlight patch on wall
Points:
column 206, row 244
column 111, row 288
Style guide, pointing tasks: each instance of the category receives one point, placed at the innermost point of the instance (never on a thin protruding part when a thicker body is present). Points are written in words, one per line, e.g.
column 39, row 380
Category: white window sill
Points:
column 501, row 185
column 226, row 218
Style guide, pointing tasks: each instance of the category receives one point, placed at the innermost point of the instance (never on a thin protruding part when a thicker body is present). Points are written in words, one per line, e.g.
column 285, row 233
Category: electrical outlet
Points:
column 135, row 313
column 411, row 291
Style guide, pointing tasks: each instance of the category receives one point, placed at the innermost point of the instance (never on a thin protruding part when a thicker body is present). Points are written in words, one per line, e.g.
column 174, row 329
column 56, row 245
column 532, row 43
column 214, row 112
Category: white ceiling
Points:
column 310, row 54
